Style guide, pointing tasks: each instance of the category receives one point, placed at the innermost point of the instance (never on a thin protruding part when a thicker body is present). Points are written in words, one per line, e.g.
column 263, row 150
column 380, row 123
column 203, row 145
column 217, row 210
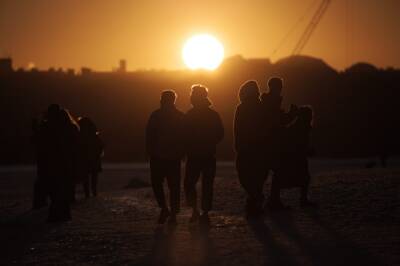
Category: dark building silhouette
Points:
column 356, row 110
column 6, row 65
column 122, row 66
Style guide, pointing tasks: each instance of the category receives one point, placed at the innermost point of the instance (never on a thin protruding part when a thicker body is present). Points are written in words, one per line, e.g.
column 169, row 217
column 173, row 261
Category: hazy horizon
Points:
column 114, row 68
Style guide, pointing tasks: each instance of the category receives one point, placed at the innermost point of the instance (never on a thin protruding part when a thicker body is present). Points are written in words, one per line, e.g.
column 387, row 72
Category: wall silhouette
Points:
column 356, row 110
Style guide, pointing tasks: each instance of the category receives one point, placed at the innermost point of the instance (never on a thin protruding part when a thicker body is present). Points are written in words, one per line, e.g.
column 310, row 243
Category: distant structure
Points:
column 71, row 72
column 6, row 65
column 85, row 71
column 122, row 66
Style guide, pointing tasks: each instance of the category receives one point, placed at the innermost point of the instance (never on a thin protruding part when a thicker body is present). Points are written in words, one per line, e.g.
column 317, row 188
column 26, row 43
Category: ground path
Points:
column 357, row 224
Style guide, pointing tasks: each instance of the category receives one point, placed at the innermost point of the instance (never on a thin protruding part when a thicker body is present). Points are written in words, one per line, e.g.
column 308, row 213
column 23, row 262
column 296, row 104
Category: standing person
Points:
column 164, row 145
column 58, row 141
column 248, row 136
column 275, row 119
column 40, row 188
column 91, row 151
column 293, row 170
column 203, row 131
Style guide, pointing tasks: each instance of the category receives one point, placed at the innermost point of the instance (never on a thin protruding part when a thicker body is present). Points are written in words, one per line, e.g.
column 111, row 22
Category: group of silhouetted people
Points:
column 171, row 135
column 68, row 153
column 267, row 139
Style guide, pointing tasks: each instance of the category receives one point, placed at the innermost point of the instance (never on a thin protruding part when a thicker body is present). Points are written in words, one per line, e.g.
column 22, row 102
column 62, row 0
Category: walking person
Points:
column 293, row 171
column 40, row 187
column 203, row 131
column 58, row 144
column 248, row 137
column 164, row 145
column 91, row 151
column 274, row 122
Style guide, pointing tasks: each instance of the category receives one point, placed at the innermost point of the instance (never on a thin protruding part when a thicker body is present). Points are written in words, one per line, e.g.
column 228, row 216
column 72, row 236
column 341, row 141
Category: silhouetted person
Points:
column 90, row 152
column 293, row 171
column 203, row 131
column 41, row 188
column 58, row 141
column 274, row 121
column 164, row 144
column 248, row 137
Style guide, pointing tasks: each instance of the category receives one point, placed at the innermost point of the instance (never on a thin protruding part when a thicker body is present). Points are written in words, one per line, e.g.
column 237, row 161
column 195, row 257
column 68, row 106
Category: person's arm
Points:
column 288, row 117
column 151, row 132
column 219, row 128
column 236, row 129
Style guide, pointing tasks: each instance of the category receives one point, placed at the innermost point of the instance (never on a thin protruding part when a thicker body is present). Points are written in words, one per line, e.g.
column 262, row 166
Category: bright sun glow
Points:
column 203, row 51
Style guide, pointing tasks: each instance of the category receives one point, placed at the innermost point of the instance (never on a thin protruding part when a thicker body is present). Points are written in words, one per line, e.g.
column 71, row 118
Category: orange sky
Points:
column 150, row 34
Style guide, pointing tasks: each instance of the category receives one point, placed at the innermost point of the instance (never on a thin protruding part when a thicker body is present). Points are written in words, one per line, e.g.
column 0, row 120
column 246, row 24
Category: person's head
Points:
column 86, row 125
column 249, row 91
column 305, row 114
column 168, row 98
column 66, row 119
column 199, row 95
column 275, row 85
column 53, row 111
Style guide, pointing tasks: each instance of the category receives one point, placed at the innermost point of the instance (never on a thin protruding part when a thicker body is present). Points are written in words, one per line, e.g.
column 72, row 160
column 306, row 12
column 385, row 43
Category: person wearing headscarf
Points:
column 248, row 138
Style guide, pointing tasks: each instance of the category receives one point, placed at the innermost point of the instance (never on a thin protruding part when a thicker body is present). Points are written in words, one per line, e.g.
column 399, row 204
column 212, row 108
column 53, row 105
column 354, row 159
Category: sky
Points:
column 150, row 34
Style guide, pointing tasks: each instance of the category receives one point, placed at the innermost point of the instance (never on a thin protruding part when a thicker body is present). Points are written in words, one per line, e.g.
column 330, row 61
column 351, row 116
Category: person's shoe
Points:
column 254, row 215
column 195, row 217
column 163, row 216
column 308, row 204
column 276, row 206
column 204, row 219
column 172, row 220
column 253, row 212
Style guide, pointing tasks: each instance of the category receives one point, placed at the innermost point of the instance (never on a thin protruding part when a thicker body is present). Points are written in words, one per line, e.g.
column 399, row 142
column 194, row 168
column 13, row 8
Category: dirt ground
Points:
column 357, row 223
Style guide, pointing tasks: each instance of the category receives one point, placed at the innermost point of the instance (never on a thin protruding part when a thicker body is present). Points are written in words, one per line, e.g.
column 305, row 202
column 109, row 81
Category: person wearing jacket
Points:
column 164, row 145
column 248, row 137
column 203, row 131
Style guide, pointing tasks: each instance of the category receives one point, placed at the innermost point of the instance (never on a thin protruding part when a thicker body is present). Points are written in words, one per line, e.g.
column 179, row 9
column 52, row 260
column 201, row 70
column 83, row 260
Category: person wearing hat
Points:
column 164, row 145
column 203, row 131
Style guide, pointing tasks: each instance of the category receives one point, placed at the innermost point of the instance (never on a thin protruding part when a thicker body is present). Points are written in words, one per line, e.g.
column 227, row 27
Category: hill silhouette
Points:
column 355, row 109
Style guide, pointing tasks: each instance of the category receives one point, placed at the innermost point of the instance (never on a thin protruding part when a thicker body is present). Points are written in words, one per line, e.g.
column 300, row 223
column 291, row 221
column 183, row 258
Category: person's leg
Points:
column 207, row 186
column 86, row 187
column 304, row 201
column 39, row 194
column 192, row 175
column 274, row 202
column 53, row 204
column 94, row 177
column 304, row 193
column 174, row 182
column 157, row 170
column 61, row 196
column 260, row 175
column 248, row 179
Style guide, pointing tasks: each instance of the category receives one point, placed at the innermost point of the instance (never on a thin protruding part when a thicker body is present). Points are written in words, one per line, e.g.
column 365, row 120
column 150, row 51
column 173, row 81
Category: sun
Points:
column 203, row 51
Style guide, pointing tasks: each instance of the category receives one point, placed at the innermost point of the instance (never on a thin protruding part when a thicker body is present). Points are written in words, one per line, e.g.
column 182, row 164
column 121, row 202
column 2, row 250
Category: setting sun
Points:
column 203, row 51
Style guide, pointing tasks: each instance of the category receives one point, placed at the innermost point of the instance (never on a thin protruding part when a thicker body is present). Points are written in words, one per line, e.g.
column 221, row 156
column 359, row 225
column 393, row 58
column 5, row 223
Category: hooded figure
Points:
column 203, row 131
column 248, row 139
column 164, row 145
